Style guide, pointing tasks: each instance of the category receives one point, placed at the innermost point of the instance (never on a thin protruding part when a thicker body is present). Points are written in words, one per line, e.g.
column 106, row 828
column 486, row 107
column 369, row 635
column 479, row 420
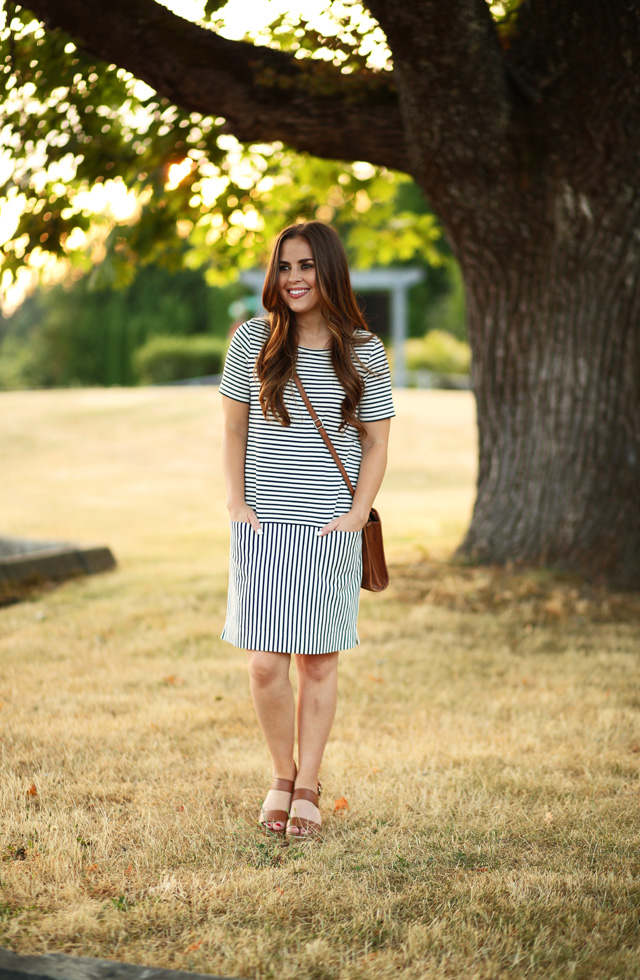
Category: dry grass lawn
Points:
column 487, row 742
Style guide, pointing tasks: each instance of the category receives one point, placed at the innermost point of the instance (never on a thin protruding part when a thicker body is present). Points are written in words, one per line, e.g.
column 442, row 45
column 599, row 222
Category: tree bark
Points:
column 555, row 329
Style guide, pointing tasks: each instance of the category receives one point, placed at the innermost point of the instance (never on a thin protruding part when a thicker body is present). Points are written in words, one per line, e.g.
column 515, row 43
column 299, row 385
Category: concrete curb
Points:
column 26, row 565
column 57, row 563
column 57, row 966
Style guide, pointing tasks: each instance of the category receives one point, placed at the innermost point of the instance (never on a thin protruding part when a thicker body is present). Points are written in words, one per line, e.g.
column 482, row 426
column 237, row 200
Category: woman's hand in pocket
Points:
column 243, row 514
column 346, row 522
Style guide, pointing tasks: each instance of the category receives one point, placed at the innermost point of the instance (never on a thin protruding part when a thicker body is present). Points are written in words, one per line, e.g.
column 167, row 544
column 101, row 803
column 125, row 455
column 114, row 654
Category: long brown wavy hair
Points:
column 276, row 363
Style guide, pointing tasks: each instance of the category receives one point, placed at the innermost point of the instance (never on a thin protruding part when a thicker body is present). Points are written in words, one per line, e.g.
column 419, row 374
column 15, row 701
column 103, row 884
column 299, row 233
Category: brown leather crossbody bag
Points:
column 375, row 576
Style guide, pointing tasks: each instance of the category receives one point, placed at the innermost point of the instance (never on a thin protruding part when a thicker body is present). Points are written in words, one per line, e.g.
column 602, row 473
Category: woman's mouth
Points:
column 297, row 293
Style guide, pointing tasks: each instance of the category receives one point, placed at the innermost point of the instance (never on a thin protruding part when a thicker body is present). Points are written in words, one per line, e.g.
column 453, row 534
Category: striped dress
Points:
column 291, row 591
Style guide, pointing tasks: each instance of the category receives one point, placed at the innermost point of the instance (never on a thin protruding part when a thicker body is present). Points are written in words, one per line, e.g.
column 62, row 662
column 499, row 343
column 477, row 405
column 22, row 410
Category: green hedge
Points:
column 440, row 352
column 170, row 358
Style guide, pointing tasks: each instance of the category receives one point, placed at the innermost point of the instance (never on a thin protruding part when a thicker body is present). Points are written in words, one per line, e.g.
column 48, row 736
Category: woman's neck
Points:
column 312, row 330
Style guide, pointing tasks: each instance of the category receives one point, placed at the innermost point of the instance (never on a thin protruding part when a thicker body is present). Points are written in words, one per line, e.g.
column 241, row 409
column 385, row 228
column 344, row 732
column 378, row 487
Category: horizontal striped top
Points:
column 290, row 475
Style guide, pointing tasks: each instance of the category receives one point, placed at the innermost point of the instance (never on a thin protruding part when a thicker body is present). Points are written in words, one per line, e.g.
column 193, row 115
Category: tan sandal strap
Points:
column 305, row 794
column 284, row 785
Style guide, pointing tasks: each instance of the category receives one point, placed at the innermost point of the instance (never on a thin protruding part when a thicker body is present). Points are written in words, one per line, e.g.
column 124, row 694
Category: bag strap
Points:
column 323, row 432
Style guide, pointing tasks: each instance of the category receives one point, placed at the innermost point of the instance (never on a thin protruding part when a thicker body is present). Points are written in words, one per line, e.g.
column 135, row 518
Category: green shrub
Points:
column 171, row 358
column 15, row 364
column 414, row 353
column 440, row 352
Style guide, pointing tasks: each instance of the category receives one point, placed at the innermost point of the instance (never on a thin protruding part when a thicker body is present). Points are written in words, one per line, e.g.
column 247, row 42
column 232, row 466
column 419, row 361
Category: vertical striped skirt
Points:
column 291, row 591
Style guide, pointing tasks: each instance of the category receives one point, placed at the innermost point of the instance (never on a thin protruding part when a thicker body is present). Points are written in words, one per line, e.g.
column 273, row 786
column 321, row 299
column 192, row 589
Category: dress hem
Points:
column 293, row 646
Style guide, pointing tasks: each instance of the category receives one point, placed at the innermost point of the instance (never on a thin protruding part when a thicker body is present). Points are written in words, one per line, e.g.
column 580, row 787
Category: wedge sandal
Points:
column 306, row 828
column 277, row 816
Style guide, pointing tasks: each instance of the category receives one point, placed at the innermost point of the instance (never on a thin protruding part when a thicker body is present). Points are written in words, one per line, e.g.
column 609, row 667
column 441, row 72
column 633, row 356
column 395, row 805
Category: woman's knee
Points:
column 267, row 668
column 317, row 667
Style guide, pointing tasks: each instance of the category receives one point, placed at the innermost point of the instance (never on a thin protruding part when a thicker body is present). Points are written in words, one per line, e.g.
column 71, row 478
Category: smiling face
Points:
column 297, row 276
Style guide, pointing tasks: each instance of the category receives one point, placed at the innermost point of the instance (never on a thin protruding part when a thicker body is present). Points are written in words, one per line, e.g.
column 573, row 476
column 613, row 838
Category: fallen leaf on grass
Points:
column 128, row 870
column 340, row 804
column 93, row 868
column 193, row 947
column 375, row 678
column 548, row 817
column 634, row 747
column 32, row 791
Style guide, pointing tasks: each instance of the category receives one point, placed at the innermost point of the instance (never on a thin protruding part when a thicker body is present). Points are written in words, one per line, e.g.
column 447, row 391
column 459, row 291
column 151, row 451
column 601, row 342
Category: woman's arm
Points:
column 372, row 467
column 234, row 453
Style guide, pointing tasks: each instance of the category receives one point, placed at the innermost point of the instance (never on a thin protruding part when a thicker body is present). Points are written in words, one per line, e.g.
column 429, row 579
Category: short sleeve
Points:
column 236, row 375
column 377, row 401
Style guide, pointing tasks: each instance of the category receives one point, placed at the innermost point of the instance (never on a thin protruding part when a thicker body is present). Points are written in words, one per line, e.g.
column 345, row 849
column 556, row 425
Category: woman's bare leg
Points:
column 273, row 700
column 317, row 700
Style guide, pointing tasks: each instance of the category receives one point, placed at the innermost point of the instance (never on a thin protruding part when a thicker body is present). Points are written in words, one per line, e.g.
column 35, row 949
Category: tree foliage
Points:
column 71, row 122
column 77, row 334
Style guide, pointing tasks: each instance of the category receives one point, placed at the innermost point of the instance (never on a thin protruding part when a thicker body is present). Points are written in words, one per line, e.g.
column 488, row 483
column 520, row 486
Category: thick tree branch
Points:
column 263, row 94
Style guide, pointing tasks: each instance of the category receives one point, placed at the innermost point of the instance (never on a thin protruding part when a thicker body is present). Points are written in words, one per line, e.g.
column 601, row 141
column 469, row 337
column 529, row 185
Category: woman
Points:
column 296, row 550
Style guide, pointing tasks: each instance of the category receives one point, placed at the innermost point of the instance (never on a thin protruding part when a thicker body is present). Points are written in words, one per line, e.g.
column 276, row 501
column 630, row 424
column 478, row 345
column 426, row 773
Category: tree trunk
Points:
column 554, row 323
column 528, row 153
